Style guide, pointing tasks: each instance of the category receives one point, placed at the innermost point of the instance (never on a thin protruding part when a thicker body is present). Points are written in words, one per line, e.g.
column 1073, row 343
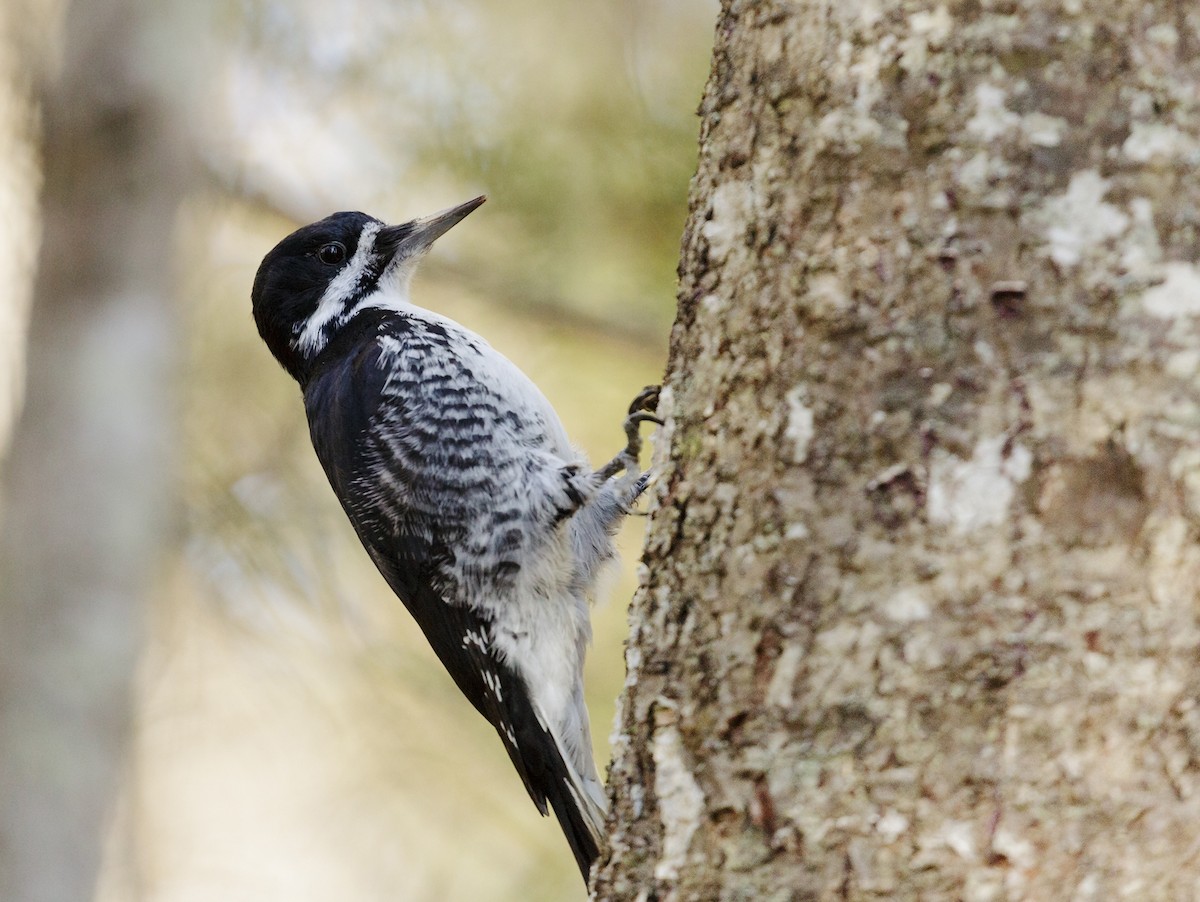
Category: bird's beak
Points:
column 414, row 238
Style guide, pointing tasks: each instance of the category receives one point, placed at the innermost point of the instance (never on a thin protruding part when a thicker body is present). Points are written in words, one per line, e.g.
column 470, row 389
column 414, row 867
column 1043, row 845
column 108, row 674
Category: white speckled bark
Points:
column 919, row 611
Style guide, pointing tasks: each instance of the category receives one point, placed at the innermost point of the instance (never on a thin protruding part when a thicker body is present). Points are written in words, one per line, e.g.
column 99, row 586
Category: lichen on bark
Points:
column 918, row 614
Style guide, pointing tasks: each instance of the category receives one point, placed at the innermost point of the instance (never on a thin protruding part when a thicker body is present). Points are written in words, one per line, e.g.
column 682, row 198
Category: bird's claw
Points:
column 647, row 399
column 641, row 410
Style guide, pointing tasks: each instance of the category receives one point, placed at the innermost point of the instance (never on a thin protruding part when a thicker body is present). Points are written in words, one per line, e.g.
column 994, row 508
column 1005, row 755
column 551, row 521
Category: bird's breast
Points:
column 465, row 392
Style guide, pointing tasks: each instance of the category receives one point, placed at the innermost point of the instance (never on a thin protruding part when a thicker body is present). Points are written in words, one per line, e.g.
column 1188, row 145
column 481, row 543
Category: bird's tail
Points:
column 580, row 811
column 555, row 783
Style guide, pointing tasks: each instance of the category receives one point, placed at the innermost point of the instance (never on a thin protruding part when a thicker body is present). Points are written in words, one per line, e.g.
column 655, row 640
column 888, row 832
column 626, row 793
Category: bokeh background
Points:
column 292, row 737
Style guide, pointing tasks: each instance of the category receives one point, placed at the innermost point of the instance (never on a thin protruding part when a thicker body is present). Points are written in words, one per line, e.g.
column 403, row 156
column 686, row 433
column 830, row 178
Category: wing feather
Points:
column 378, row 439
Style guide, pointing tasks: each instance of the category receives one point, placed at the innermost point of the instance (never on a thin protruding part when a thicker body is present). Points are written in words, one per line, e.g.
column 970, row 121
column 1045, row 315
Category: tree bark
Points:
column 918, row 617
column 87, row 486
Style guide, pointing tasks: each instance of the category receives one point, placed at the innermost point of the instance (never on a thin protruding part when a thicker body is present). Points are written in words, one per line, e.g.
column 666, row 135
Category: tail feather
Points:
column 554, row 785
column 582, row 820
column 581, row 823
column 460, row 635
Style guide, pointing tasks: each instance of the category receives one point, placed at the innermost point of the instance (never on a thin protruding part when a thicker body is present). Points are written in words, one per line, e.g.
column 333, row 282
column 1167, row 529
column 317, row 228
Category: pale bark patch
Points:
column 800, row 429
column 992, row 117
column 680, row 801
column 968, row 495
column 1080, row 219
column 1157, row 142
column 1177, row 295
column 726, row 228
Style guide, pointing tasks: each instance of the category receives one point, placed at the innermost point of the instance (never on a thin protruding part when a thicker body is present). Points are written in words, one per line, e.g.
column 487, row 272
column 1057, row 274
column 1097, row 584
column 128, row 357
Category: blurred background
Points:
column 167, row 532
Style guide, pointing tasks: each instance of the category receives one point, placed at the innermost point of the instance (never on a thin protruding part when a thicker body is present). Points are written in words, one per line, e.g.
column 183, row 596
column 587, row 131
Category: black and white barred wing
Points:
column 459, row 637
column 412, row 483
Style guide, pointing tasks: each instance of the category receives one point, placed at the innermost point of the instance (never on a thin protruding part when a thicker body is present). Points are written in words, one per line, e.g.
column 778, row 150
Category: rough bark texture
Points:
column 919, row 613
column 86, row 494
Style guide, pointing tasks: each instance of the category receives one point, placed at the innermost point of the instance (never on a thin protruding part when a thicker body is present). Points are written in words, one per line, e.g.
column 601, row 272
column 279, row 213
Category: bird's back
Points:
column 454, row 450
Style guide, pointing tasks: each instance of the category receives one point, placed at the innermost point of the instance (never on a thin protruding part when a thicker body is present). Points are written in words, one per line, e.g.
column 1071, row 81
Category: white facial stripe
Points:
column 333, row 302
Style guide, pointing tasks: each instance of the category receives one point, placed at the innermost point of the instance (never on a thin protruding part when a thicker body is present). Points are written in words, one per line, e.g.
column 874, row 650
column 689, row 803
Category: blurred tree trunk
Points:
column 86, row 491
column 919, row 618
column 23, row 29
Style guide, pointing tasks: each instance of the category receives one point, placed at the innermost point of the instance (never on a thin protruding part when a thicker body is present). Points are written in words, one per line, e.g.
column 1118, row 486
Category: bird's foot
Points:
column 641, row 410
column 647, row 399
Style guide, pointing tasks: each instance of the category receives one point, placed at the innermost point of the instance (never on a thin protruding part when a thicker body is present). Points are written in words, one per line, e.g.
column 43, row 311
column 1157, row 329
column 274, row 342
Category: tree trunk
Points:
column 22, row 38
column 919, row 612
column 86, row 489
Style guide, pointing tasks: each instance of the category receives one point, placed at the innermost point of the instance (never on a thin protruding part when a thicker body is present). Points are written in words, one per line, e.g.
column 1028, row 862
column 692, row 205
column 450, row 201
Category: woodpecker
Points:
column 458, row 477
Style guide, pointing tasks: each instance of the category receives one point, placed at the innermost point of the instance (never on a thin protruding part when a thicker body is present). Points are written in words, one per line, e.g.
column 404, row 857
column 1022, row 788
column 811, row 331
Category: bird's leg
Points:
column 574, row 488
column 596, row 521
column 641, row 410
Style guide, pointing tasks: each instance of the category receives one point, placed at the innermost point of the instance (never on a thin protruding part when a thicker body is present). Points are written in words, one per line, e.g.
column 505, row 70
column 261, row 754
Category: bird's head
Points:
column 313, row 282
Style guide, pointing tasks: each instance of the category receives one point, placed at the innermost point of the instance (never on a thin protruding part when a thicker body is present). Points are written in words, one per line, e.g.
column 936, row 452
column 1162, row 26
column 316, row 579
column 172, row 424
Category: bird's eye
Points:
column 332, row 254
